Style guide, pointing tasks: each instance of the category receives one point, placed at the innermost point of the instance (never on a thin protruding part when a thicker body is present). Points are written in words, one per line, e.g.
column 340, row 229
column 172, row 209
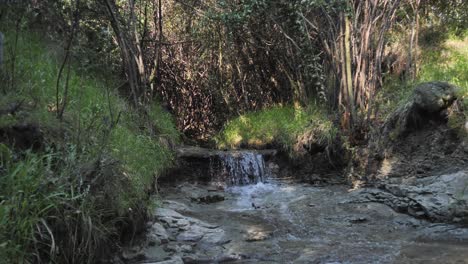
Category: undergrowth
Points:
column 451, row 64
column 277, row 126
column 92, row 176
column 446, row 62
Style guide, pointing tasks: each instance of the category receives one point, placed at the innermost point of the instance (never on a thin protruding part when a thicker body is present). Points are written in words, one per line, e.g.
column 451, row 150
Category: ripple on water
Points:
column 250, row 196
column 264, row 195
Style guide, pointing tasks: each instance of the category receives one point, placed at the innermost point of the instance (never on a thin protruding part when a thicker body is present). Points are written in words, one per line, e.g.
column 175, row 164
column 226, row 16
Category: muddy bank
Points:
column 289, row 222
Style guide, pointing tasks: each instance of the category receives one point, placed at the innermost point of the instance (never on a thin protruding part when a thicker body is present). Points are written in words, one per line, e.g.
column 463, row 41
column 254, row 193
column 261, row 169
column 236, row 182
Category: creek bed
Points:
column 284, row 222
column 273, row 220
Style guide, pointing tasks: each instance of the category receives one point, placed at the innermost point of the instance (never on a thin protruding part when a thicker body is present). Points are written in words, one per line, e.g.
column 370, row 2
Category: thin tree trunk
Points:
column 128, row 58
column 15, row 47
column 347, row 78
column 61, row 109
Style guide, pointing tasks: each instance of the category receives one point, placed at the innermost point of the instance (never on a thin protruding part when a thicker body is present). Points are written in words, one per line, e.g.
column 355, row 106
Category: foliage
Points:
column 275, row 126
column 76, row 196
column 48, row 210
column 25, row 200
column 450, row 64
column 395, row 92
column 451, row 15
column 446, row 61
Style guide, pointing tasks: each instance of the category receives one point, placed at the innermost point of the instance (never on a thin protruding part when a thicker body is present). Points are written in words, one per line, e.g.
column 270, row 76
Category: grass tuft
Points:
column 277, row 126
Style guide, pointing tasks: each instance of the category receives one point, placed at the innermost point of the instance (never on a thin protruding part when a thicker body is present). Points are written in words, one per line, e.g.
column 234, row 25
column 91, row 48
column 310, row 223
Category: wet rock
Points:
column 179, row 248
column 158, row 233
column 208, row 197
column 292, row 230
column 163, row 213
column 257, row 235
column 358, row 220
column 176, row 206
column 232, row 258
column 133, row 254
column 154, row 254
column 198, row 231
column 175, row 221
column 173, row 260
column 182, row 223
column 399, row 204
column 202, row 194
column 439, row 198
column 203, row 224
column 274, row 168
column 192, row 235
column 215, row 237
column 186, row 248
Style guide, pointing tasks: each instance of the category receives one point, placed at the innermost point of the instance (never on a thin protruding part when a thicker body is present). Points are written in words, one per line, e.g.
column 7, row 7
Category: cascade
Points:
column 241, row 168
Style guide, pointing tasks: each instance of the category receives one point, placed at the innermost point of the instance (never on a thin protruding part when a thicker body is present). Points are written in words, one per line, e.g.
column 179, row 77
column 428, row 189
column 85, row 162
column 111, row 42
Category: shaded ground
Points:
column 287, row 222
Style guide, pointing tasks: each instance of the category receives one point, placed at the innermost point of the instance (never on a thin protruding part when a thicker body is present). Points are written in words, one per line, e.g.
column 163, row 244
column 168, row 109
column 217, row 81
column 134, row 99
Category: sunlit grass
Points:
column 450, row 64
column 446, row 63
column 277, row 126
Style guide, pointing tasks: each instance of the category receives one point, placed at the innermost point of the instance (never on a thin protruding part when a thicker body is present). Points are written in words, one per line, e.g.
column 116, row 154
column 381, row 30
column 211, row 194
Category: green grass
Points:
column 447, row 62
column 450, row 64
column 22, row 201
column 96, row 171
column 276, row 126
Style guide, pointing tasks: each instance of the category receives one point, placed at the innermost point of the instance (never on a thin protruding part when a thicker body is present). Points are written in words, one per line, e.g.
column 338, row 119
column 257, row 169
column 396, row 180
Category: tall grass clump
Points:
column 278, row 126
column 88, row 184
column 25, row 202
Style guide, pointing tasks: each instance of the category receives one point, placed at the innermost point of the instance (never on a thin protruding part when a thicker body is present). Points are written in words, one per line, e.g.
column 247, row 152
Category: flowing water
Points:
column 269, row 220
column 238, row 168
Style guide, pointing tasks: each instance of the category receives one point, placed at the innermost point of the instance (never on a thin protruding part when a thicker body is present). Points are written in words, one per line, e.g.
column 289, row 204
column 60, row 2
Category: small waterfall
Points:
column 242, row 168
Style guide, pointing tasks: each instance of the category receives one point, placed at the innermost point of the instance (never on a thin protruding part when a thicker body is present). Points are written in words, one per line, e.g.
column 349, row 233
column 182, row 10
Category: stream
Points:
column 250, row 216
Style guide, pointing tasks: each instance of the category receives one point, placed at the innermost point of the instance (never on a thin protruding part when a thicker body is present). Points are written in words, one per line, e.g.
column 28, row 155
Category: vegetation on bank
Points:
column 79, row 156
column 446, row 61
column 281, row 125
column 277, row 126
column 86, row 183
column 450, row 63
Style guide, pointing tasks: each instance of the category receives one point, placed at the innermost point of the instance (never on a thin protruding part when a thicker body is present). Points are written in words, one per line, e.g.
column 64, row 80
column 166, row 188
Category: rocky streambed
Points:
column 411, row 206
column 282, row 221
